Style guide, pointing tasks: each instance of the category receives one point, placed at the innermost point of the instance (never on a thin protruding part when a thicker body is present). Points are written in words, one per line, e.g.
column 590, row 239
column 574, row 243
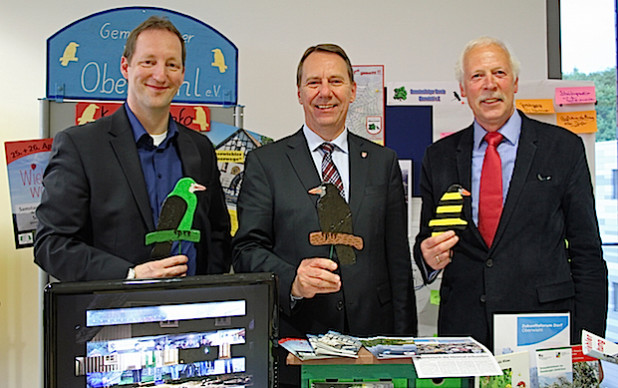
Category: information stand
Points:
column 367, row 368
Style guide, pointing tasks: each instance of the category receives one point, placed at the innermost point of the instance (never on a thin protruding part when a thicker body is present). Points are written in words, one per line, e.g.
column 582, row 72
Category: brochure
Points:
column 335, row 344
column 528, row 332
column 555, row 367
column 515, row 372
column 390, row 347
column 519, row 332
column 586, row 369
column 301, row 348
column 453, row 357
column 599, row 347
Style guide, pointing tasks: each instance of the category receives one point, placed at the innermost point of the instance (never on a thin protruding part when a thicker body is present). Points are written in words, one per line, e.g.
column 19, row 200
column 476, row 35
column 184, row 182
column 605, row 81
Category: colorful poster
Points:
column 232, row 145
column 26, row 162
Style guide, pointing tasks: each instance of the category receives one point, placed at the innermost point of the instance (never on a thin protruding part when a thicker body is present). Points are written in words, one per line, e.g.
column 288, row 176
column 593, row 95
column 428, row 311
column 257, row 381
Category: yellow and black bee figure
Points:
column 449, row 210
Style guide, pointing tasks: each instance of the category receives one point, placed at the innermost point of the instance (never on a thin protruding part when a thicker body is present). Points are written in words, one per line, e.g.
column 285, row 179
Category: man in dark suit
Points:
column 543, row 251
column 106, row 180
column 276, row 215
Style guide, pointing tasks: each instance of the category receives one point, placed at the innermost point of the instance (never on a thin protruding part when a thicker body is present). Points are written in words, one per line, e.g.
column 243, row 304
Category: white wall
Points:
column 414, row 39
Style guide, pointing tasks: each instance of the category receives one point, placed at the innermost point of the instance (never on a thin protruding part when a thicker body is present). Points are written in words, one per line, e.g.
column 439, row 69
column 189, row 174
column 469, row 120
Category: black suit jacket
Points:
column 528, row 268
column 95, row 211
column 276, row 215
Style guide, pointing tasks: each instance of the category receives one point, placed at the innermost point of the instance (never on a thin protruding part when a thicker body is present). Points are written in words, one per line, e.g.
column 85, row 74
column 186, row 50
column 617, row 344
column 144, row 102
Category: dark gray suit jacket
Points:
column 528, row 268
column 276, row 215
column 95, row 211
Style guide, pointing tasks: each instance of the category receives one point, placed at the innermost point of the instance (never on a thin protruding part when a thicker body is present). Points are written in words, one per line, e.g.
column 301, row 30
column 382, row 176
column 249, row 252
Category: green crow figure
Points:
column 448, row 211
column 176, row 218
column 335, row 219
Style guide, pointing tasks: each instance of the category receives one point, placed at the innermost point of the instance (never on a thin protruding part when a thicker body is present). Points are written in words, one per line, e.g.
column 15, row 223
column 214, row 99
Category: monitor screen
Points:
column 202, row 331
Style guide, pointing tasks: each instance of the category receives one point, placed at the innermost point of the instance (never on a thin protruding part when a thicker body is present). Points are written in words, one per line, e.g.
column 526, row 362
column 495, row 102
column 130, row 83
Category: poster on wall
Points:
column 26, row 162
column 450, row 109
column 366, row 113
column 232, row 145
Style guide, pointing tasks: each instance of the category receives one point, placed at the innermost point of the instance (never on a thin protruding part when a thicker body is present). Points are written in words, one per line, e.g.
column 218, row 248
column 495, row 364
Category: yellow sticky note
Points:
column 537, row 106
column 434, row 297
column 578, row 122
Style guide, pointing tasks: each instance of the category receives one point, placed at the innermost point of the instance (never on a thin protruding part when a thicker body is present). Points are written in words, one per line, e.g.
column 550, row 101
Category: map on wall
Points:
column 366, row 113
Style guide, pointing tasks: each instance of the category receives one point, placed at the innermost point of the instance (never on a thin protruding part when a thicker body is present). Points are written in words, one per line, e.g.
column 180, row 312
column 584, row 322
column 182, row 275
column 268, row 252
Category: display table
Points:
column 368, row 368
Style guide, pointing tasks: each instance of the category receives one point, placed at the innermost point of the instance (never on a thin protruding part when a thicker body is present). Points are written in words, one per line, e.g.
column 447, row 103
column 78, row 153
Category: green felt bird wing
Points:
column 176, row 216
column 449, row 211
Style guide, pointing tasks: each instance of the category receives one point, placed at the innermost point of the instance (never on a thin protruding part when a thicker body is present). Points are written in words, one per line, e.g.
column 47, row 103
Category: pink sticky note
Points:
column 576, row 95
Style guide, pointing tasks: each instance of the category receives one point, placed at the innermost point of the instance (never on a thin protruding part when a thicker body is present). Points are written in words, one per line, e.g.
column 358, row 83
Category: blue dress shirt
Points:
column 162, row 168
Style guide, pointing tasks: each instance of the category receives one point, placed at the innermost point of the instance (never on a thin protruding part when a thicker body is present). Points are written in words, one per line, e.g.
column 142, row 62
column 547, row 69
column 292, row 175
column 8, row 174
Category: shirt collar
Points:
column 138, row 129
column 510, row 130
column 314, row 140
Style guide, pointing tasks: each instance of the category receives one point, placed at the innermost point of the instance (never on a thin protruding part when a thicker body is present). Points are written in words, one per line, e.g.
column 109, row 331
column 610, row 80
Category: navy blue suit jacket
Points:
column 95, row 211
column 276, row 215
column 529, row 267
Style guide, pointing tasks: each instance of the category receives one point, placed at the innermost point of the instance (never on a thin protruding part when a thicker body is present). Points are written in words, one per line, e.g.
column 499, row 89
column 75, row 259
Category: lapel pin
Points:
column 364, row 154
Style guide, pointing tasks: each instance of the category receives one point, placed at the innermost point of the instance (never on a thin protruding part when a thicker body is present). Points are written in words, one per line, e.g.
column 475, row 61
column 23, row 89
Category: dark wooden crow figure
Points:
column 335, row 219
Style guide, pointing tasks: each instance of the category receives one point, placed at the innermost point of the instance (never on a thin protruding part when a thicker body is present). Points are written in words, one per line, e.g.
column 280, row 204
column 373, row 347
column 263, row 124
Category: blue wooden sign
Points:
column 83, row 58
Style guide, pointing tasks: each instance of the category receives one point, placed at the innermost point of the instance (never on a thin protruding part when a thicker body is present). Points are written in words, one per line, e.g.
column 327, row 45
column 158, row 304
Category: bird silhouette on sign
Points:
column 88, row 114
column 200, row 118
column 219, row 60
column 335, row 219
column 69, row 54
column 449, row 209
column 176, row 218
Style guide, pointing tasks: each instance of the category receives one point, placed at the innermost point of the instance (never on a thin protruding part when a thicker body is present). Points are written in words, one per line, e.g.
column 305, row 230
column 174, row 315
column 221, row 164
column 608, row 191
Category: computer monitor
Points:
column 206, row 331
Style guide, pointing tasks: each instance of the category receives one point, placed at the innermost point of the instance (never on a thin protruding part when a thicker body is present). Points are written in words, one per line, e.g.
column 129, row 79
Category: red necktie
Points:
column 329, row 170
column 490, row 197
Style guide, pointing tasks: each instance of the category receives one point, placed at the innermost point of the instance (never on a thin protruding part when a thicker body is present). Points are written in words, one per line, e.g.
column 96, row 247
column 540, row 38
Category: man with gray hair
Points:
column 532, row 240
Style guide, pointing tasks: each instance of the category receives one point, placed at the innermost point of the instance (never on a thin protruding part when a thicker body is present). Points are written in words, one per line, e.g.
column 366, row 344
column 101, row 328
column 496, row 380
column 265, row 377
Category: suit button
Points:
column 483, row 298
column 489, row 263
column 340, row 305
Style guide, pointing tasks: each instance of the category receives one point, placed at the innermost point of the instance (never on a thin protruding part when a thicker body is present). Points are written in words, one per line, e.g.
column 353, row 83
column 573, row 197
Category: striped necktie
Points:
column 329, row 170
